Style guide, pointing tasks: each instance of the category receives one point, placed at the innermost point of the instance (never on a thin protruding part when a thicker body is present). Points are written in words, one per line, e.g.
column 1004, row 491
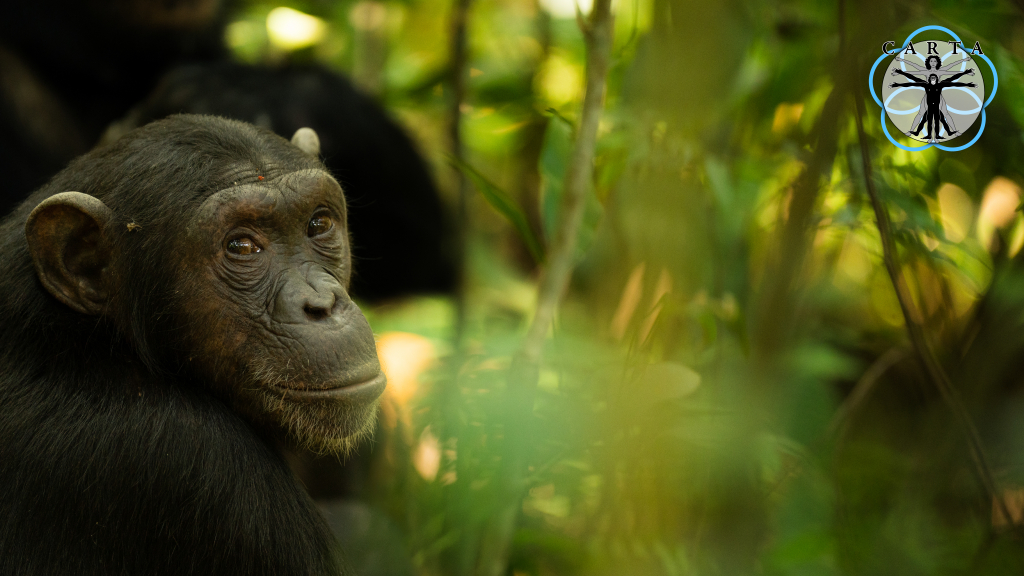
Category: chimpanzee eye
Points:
column 319, row 224
column 243, row 246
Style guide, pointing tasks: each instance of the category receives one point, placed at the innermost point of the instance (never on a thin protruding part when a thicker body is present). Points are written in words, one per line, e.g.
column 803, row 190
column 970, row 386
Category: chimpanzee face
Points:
column 933, row 79
column 257, row 308
column 283, row 337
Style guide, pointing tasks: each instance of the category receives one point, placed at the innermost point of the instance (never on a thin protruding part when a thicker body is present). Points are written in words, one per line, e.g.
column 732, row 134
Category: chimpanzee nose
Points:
column 311, row 297
column 319, row 306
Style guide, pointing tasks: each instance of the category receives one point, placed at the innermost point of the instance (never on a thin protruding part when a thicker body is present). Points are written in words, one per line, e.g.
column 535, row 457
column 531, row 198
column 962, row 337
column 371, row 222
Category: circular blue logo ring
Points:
column 910, row 39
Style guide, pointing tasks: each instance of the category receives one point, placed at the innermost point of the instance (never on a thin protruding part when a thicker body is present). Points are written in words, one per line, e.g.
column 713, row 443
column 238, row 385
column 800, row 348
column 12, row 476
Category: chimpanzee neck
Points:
column 74, row 347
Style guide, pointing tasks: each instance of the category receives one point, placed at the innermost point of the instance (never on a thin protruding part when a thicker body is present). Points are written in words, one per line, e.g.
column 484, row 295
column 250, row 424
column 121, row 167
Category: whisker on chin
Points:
column 322, row 428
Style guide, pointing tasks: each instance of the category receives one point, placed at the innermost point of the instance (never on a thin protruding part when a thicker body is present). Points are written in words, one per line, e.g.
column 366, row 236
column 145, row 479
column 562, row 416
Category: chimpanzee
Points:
column 173, row 306
column 402, row 238
column 68, row 68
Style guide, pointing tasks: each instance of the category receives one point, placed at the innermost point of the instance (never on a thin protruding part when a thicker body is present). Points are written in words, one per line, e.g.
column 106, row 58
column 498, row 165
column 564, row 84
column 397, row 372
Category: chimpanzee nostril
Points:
column 320, row 306
column 317, row 313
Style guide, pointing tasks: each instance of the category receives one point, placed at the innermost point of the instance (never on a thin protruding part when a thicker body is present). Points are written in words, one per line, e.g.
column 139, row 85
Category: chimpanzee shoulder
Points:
column 154, row 480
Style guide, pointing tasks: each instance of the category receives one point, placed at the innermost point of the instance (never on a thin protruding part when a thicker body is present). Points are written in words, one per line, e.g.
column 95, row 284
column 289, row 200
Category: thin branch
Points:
column 449, row 397
column 775, row 316
column 598, row 37
column 774, row 319
column 525, row 369
column 457, row 60
column 918, row 338
column 862, row 390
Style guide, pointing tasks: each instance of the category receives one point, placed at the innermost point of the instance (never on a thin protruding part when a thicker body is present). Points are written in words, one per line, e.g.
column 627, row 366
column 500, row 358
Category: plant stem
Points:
column 525, row 369
column 776, row 312
column 457, row 60
column 918, row 338
column 449, row 396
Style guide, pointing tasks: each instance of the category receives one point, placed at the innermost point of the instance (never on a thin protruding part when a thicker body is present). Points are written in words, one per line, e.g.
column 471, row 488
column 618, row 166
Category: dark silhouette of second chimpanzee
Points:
column 68, row 69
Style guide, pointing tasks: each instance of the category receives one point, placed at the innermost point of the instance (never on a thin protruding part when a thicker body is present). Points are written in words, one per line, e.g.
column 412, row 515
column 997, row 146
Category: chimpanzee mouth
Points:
column 359, row 392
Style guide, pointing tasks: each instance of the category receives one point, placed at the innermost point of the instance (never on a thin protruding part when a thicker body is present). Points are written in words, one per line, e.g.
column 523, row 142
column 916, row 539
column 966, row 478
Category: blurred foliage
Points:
column 711, row 400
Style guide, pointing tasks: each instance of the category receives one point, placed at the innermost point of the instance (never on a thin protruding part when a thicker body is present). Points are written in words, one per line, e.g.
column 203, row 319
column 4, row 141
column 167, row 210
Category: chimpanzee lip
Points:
column 358, row 393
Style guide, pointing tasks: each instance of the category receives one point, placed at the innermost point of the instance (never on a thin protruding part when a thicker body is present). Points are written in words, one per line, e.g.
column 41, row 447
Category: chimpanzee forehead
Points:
column 300, row 190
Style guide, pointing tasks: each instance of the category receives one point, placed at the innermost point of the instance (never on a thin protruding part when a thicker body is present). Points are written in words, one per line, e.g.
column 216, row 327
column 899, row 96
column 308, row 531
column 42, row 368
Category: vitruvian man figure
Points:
column 933, row 65
column 933, row 103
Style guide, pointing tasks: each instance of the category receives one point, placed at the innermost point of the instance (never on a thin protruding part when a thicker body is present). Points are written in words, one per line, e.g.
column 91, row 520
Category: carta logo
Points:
column 933, row 91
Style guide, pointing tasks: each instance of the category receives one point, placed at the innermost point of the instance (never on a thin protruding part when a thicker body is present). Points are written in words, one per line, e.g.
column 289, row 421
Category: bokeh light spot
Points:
column 290, row 29
column 957, row 212
column 404, row 356
column 998, row 208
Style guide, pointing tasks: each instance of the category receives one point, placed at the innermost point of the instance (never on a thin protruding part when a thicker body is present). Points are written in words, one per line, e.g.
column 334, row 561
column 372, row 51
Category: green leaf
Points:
column 504, row 204
column 553, row 163
column 956, row 172
column 1011, row 83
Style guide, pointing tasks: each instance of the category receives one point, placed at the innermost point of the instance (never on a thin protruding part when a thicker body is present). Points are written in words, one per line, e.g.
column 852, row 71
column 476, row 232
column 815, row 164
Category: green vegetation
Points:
column 744, row 375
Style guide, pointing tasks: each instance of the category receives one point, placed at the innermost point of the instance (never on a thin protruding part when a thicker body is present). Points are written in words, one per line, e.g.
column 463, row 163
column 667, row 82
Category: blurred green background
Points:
column 728, row 387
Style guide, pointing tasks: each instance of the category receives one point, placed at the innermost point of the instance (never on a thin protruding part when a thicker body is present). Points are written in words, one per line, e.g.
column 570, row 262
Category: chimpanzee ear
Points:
column 69, row 249
column 307, row 141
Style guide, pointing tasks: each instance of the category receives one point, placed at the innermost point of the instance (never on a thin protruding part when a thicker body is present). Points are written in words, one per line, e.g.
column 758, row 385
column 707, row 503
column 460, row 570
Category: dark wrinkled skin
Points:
column 286, row 302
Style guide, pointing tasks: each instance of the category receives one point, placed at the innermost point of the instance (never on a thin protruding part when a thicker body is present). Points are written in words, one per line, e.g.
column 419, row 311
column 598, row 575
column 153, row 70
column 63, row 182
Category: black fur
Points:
column 68, row 68
column 113, row 459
